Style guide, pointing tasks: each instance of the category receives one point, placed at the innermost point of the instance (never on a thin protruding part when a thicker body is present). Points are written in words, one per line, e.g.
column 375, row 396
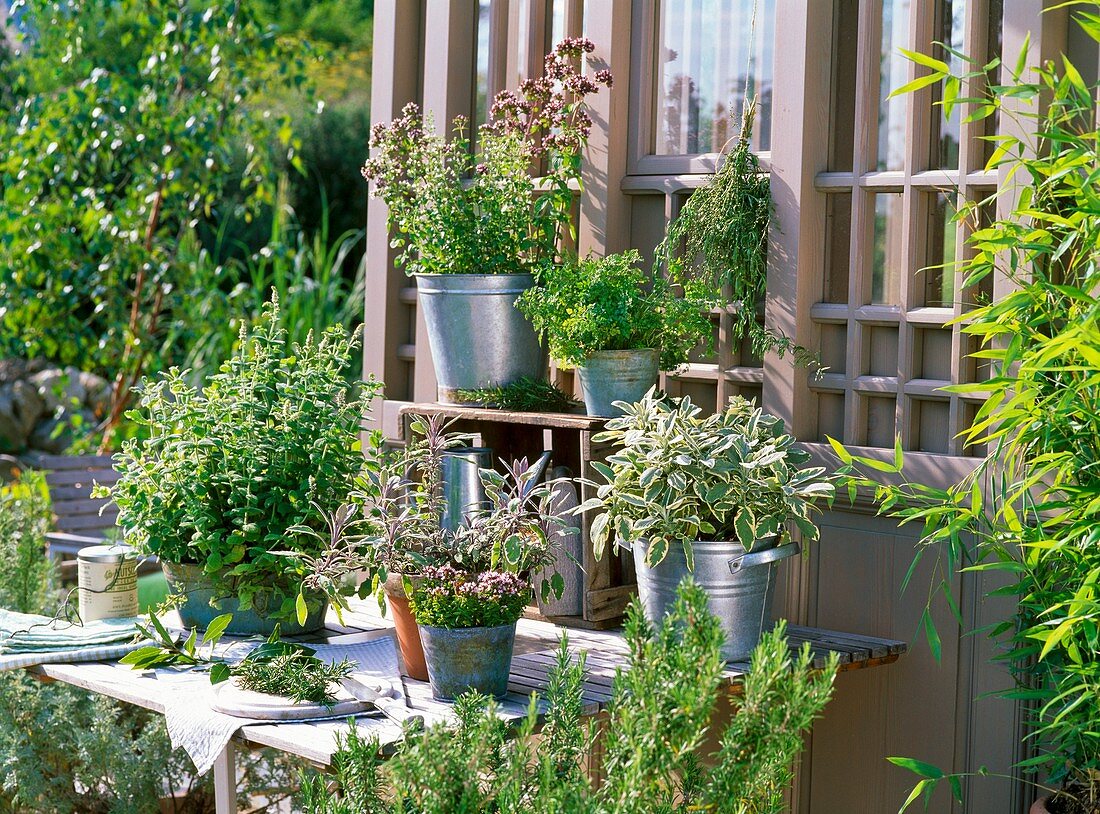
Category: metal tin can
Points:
column 107, row 580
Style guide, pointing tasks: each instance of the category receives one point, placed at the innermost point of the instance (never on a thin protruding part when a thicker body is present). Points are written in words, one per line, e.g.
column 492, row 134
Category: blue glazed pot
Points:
column 473, row 658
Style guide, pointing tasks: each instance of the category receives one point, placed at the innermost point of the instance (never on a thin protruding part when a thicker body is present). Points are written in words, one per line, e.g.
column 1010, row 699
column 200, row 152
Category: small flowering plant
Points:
column 449, row 598
column 456, row 210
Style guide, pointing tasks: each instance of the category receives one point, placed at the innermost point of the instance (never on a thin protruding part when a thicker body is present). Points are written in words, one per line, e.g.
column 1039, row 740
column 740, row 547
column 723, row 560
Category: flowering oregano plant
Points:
column 449, row 598
column 453, row 209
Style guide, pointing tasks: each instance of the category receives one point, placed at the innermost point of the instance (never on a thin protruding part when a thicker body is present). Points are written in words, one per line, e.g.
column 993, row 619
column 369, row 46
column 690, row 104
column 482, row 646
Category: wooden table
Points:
column 536, row 643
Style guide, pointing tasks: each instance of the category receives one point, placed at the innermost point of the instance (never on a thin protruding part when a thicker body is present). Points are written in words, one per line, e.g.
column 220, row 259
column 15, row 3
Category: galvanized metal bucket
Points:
column 617, row 375
column 567, row 551
column 478, row 337
column 739, row 587
column 473, row 658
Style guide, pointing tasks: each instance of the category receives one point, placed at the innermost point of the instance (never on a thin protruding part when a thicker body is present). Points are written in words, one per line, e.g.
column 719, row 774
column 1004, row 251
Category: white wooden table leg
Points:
column 225, row 781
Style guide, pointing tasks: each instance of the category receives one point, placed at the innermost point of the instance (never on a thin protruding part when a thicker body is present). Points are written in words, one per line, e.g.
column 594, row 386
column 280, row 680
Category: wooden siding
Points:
column 887, row 360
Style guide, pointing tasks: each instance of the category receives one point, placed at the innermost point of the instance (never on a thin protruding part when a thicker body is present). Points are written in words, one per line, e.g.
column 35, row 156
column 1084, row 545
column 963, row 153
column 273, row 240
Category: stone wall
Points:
column 43, row 407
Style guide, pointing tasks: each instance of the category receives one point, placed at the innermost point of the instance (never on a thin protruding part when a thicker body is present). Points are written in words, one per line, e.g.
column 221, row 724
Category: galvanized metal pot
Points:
column 567, row 552
column 617, row 375
column 473, row 658
column 205, row 599
column 478, row 337
column 739, row 587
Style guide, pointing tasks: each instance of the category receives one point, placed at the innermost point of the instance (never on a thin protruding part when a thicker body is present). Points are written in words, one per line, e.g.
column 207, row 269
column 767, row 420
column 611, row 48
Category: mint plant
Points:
column 229, row 477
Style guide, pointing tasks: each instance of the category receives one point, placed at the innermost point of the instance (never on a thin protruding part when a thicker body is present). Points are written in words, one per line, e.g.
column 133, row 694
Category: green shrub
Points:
column 111, row 153
column 654, row 758
column 305, row 270
column 599, row 304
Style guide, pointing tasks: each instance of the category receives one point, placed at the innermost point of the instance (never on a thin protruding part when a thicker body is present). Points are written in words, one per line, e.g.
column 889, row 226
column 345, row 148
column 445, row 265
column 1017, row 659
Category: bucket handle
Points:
column 769, row 555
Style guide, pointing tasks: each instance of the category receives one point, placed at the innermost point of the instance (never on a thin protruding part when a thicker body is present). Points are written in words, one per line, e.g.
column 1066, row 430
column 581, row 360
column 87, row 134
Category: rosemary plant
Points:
column 524, row 395
column 656, row 757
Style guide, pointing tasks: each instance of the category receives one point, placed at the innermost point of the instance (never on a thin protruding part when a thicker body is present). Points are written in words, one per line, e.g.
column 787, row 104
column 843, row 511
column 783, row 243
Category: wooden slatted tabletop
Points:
column 536, row 645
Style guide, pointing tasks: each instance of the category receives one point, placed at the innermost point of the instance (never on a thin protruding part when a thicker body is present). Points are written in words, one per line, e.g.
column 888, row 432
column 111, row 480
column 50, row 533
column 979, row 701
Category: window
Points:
column 696, row 62
column 711, row 54
column 890, row 293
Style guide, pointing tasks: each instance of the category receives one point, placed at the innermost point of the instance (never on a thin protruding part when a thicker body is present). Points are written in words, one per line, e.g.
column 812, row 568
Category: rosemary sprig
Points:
column 297, row 675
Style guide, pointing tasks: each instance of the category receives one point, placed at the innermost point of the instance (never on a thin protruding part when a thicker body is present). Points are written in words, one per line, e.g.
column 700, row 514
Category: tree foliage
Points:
column 127, row 121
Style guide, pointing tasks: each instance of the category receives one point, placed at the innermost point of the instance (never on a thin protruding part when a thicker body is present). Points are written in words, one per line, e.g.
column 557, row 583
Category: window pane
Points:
column 709, row 58
column 557, row 22
column 838, row 230
column 950, row 17
column 481, row 98
column 843, row 107
column 887, row 263
column 894, row 67
column 939, row 274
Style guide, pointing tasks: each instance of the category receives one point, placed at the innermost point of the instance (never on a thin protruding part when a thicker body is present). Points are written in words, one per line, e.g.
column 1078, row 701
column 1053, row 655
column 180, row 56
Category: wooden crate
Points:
column 610, row 582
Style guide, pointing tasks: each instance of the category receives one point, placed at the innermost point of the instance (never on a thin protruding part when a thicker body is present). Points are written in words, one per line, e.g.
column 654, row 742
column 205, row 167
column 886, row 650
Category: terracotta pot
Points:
column 1039, row 806
column 408, row 634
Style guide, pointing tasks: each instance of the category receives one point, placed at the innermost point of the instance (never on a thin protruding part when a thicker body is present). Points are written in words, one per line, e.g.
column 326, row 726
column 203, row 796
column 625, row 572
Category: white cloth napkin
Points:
column 204, row 733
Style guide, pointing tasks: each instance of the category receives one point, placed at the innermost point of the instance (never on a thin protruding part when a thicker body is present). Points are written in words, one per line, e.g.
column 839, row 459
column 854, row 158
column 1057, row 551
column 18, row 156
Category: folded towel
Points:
column 30, row 633
column 103, row 652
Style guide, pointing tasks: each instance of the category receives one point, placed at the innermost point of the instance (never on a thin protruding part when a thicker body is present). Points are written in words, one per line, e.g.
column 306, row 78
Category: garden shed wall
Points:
column 864, row 188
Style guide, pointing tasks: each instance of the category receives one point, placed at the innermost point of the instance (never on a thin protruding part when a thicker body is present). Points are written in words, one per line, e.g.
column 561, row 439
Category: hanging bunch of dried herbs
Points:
column 717, row 247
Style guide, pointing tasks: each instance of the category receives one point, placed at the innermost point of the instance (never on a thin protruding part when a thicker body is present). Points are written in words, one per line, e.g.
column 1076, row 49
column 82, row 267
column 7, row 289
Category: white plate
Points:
column 230, row 699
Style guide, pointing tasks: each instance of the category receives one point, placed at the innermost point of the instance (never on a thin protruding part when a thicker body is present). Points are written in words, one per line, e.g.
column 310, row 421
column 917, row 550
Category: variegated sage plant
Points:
column 679, row 476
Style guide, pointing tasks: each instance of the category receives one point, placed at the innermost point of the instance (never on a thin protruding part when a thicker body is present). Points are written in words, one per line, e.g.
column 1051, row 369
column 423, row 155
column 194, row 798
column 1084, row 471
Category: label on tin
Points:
column 108, row 590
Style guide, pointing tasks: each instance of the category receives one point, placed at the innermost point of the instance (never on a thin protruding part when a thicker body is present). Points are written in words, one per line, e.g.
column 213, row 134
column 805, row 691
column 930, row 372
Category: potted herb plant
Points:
column 468, row 624
column 474, row 228
column 401, row 532
column 222, row 483
column 618, row 328
column 707, row 495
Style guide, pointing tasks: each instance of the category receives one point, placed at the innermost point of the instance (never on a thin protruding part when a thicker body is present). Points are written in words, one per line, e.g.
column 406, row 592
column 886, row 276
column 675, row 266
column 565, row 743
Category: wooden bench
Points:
column 80, row 519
